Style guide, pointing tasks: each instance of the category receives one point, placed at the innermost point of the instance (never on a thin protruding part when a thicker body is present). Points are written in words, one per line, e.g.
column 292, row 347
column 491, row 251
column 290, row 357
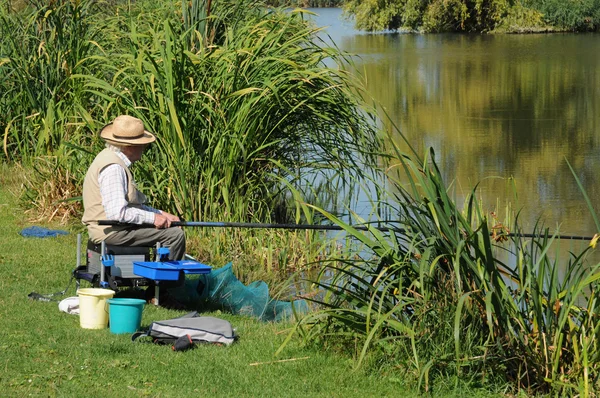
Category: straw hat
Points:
column 127, row 130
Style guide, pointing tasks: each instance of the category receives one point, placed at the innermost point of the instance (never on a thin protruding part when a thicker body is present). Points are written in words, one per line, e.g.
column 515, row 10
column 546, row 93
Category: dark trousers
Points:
column 173, row 238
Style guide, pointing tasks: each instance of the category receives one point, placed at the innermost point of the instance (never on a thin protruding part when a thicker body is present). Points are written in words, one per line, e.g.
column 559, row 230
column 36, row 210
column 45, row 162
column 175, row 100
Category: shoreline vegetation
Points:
column 253, row 125
column 247, row 118
column 305, row 3
column 480, row 16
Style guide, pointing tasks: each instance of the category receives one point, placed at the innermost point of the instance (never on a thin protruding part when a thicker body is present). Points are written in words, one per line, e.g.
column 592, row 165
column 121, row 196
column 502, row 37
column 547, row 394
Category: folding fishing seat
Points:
column 118, row 265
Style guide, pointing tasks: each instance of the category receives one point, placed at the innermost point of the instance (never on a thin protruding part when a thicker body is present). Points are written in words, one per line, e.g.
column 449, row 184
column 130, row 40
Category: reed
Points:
column 447, row 297
column 250, row 120
column 235, row 120
column 43, row 47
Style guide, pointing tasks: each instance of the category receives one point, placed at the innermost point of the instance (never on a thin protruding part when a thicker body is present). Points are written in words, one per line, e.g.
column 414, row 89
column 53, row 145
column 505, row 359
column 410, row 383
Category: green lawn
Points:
column 44, row 352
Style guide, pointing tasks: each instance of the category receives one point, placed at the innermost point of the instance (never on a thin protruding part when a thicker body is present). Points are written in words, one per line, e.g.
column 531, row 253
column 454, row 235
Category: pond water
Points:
column 516, row 107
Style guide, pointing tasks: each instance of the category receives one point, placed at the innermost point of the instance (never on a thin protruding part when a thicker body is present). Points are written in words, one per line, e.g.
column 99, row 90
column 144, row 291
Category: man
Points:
column 110, row 193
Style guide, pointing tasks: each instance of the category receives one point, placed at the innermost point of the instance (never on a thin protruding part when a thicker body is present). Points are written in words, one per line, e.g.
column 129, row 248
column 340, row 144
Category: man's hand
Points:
column 170, row 217
column 164, row 219
column 161, row 221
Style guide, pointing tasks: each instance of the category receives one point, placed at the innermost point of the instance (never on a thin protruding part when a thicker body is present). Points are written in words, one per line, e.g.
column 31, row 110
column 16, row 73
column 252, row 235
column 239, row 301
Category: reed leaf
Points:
column 525, row 315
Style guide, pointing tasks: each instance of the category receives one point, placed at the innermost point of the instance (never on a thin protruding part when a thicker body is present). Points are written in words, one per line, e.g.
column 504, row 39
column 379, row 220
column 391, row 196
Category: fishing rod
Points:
column 211, row 224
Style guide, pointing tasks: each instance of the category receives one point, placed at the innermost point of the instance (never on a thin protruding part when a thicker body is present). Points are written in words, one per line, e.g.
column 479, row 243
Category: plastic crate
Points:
column 168, row 270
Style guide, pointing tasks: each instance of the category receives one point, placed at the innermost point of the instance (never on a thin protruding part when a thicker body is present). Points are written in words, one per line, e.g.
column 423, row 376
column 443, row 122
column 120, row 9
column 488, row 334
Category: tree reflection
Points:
column 497, row 106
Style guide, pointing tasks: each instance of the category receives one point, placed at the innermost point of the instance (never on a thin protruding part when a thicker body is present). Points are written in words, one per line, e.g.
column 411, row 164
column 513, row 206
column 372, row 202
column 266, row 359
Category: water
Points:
column 503, row 110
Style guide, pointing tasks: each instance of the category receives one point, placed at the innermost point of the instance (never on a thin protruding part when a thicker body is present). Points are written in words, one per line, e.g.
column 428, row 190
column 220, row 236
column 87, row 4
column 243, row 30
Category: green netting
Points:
column 222, row 290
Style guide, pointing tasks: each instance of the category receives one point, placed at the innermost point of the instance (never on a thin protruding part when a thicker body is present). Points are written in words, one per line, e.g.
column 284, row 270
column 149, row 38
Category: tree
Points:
column 474, row 15
column 427, row 15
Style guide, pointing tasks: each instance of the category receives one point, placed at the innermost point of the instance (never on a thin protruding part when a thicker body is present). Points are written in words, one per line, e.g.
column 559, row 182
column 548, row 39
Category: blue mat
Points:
column 40, row 232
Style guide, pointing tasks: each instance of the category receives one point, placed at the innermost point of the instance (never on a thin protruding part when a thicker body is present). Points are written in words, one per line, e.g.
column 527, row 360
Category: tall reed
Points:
column 445, row 296
column 250, row 120
column 43, row 47
column 235, row 120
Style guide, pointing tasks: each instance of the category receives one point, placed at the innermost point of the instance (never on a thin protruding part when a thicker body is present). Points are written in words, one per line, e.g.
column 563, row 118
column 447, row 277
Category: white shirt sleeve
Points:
column 113, row 189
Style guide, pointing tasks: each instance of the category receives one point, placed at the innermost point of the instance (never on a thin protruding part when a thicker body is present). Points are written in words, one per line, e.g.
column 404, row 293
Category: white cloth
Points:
column 70, row 305
column 113, row 189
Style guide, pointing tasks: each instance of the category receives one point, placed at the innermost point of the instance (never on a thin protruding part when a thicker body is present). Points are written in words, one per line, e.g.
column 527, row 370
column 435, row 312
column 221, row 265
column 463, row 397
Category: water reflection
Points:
column 507, row 106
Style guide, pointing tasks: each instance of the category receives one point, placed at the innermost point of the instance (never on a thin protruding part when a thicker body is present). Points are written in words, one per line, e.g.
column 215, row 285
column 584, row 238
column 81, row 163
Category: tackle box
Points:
column 168, row 270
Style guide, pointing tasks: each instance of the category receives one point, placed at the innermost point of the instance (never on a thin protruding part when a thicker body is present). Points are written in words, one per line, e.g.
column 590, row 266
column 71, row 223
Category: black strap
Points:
column 160, row 341
column 136, row 335
column 50, row 296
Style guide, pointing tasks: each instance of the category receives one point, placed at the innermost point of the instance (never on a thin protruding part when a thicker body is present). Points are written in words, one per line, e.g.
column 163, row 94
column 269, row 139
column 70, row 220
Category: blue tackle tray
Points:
column 168, row 270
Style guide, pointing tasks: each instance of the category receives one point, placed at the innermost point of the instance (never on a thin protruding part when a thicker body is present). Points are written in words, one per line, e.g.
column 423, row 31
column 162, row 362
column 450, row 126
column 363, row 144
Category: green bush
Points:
column 473, row 15
column 522, row 19
column 578, row 15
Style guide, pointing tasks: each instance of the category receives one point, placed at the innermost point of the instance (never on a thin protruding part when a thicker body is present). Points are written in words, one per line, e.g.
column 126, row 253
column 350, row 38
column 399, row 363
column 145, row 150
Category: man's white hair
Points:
column 114, row 147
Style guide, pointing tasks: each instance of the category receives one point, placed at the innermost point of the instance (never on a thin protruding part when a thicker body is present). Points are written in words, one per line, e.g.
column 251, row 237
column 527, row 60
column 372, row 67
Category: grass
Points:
column 45, row 353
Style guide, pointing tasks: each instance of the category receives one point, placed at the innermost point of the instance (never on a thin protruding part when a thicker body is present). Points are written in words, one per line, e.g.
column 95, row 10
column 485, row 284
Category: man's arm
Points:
column 113, row 188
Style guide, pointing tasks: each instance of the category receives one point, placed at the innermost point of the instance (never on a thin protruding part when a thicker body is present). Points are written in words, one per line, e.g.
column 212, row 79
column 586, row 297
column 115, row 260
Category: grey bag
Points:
column 205, row 329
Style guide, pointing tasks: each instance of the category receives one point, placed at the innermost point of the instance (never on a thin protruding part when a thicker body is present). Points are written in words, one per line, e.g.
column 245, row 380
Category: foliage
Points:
column 427, row 15
column 304, row 3
column 577, row 15
column 460, row 297
column 44, row 47
column 241, row 101
column 471, row 15
column 464, row 16
column 522, row 19
column 374, row 15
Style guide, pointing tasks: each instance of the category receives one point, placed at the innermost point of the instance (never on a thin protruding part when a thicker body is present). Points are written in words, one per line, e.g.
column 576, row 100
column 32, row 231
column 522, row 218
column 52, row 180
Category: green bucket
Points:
column 125, row 315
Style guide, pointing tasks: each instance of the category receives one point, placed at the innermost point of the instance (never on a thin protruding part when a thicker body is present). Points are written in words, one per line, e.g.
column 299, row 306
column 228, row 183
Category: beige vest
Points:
column 93, row 210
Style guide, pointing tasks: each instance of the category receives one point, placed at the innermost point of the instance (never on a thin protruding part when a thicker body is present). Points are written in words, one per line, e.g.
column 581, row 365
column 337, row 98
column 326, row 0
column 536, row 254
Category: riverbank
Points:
column 46, row 353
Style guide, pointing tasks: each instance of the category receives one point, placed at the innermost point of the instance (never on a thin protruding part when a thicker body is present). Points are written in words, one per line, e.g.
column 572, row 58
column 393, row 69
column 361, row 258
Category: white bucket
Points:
column 93, row 307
